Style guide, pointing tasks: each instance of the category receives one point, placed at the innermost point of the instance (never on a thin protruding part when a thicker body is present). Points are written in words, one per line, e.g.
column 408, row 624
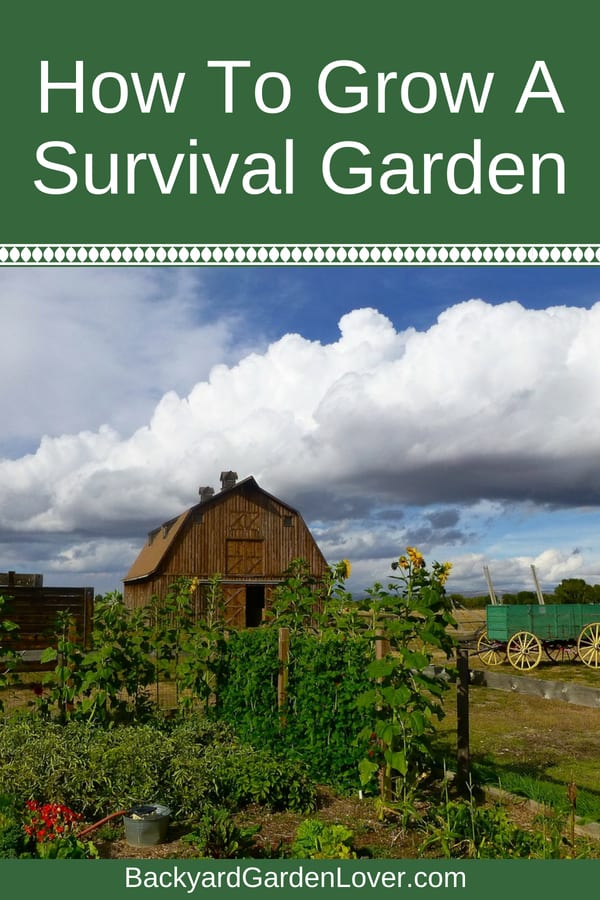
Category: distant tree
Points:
column 522, row 598
column 576, row 590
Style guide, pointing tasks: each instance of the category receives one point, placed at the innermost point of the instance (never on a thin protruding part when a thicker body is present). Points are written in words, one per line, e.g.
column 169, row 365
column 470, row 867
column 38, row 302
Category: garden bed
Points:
column 372, row 836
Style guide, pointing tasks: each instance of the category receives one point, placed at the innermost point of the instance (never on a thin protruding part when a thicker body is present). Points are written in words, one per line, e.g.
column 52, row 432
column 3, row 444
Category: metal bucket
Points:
column 146, row 824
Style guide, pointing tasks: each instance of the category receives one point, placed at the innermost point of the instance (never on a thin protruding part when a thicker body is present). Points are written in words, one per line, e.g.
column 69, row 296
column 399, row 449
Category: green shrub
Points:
column 320, row 721
column 188, row 766
column 84, row 767
column 234, row 775
column 12, row 836
column 247, row 685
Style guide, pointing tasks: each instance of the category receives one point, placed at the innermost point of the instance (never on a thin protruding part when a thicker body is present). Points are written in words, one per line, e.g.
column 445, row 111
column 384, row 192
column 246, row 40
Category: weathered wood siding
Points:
column 35, row 610
column 246, row 537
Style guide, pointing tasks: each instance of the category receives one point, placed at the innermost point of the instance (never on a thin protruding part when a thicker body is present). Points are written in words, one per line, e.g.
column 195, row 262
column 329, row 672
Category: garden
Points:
column 316, row 735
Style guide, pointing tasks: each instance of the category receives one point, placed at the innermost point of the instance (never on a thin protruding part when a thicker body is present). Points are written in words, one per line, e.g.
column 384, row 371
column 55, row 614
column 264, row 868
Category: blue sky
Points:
column 311, row 300
column 456, row 408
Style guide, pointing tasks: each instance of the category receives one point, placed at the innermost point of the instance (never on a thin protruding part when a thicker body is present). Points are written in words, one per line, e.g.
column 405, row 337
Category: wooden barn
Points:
column 242, row 532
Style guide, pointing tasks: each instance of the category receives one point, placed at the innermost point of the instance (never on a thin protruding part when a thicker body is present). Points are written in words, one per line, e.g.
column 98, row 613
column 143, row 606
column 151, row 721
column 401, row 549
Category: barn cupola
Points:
column 228, row 480
column 206, row 493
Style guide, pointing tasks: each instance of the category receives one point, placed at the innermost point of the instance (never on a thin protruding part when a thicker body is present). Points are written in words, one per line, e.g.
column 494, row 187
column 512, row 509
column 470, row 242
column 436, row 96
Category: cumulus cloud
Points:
column 495, row 403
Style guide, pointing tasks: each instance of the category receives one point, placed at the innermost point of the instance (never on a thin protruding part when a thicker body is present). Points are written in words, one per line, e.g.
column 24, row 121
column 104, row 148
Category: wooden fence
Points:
column 20, row 579
column 34, row 610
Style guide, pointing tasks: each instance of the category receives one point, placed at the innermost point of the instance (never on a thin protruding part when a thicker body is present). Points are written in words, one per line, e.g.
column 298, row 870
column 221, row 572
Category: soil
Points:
column 277, row 829
column 374, row 837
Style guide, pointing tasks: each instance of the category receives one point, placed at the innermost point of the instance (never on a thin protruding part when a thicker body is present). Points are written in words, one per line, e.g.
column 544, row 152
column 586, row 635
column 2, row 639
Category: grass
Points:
column 546, row 793
column 531, row 746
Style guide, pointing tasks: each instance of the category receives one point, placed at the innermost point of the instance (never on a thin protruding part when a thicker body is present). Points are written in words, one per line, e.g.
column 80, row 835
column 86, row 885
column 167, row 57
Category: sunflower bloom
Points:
column 415, row 557
column 443, row 572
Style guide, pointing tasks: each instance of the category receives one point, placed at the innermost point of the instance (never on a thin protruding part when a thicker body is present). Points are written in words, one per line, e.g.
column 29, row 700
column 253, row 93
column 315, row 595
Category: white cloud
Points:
column 510, row 573
column 92, row 558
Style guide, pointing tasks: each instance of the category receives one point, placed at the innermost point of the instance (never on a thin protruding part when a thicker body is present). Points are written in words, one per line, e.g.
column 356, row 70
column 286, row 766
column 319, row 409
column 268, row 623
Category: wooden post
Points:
column 462, row 719
column 282, row 678
column 490, row 586
column 538, row 589
column 382, row 648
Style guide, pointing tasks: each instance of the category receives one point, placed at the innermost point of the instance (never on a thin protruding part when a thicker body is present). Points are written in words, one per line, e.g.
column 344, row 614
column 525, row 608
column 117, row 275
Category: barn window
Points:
column 287, row 521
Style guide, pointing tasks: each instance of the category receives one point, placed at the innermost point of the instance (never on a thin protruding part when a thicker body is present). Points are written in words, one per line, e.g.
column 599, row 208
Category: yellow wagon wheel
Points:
column 588, row 645
column 524, row 650
column 491, row 653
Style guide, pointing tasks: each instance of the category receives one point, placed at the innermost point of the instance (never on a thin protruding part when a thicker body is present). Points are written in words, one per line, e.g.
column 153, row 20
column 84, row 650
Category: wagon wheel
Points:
column 524, row 650
column 588, row 645
column 491, row 653
column 560, row 651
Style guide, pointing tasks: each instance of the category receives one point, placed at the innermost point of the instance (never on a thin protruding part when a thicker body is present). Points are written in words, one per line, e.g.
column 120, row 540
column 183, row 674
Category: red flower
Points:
column 49, row 820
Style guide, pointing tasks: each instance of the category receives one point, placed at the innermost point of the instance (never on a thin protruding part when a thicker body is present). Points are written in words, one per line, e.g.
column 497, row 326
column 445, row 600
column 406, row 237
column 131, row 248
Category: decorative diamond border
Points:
column 298, row 254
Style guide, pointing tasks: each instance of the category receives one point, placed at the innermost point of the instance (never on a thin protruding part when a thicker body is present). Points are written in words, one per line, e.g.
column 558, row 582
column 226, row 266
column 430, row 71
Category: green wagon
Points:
column 522, row 633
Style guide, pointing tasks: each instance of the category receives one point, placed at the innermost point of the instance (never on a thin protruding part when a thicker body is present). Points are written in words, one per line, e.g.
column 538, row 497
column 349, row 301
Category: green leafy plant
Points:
column 411, row 620
column 201, row 646
column 246, row 685
column 216, row 836
column 315, row 839
column 64, row 682
column 171, row 619
column 118, row 670
column 108, row 682
column 9, row 656
column 461, row 829
column 297, row 599
column 320, row 721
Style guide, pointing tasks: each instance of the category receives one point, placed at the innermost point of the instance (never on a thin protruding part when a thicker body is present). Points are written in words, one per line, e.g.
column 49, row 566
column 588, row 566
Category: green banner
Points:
column 468, row 880
column 324, row 123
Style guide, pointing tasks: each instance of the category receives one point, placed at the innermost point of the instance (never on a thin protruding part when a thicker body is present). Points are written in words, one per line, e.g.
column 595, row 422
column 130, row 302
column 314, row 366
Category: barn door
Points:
column 234, row 602
column 244, row 557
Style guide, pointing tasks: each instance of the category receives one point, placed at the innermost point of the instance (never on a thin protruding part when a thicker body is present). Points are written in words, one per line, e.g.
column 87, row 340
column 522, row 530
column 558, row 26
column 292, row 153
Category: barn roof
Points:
column 162, row 538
